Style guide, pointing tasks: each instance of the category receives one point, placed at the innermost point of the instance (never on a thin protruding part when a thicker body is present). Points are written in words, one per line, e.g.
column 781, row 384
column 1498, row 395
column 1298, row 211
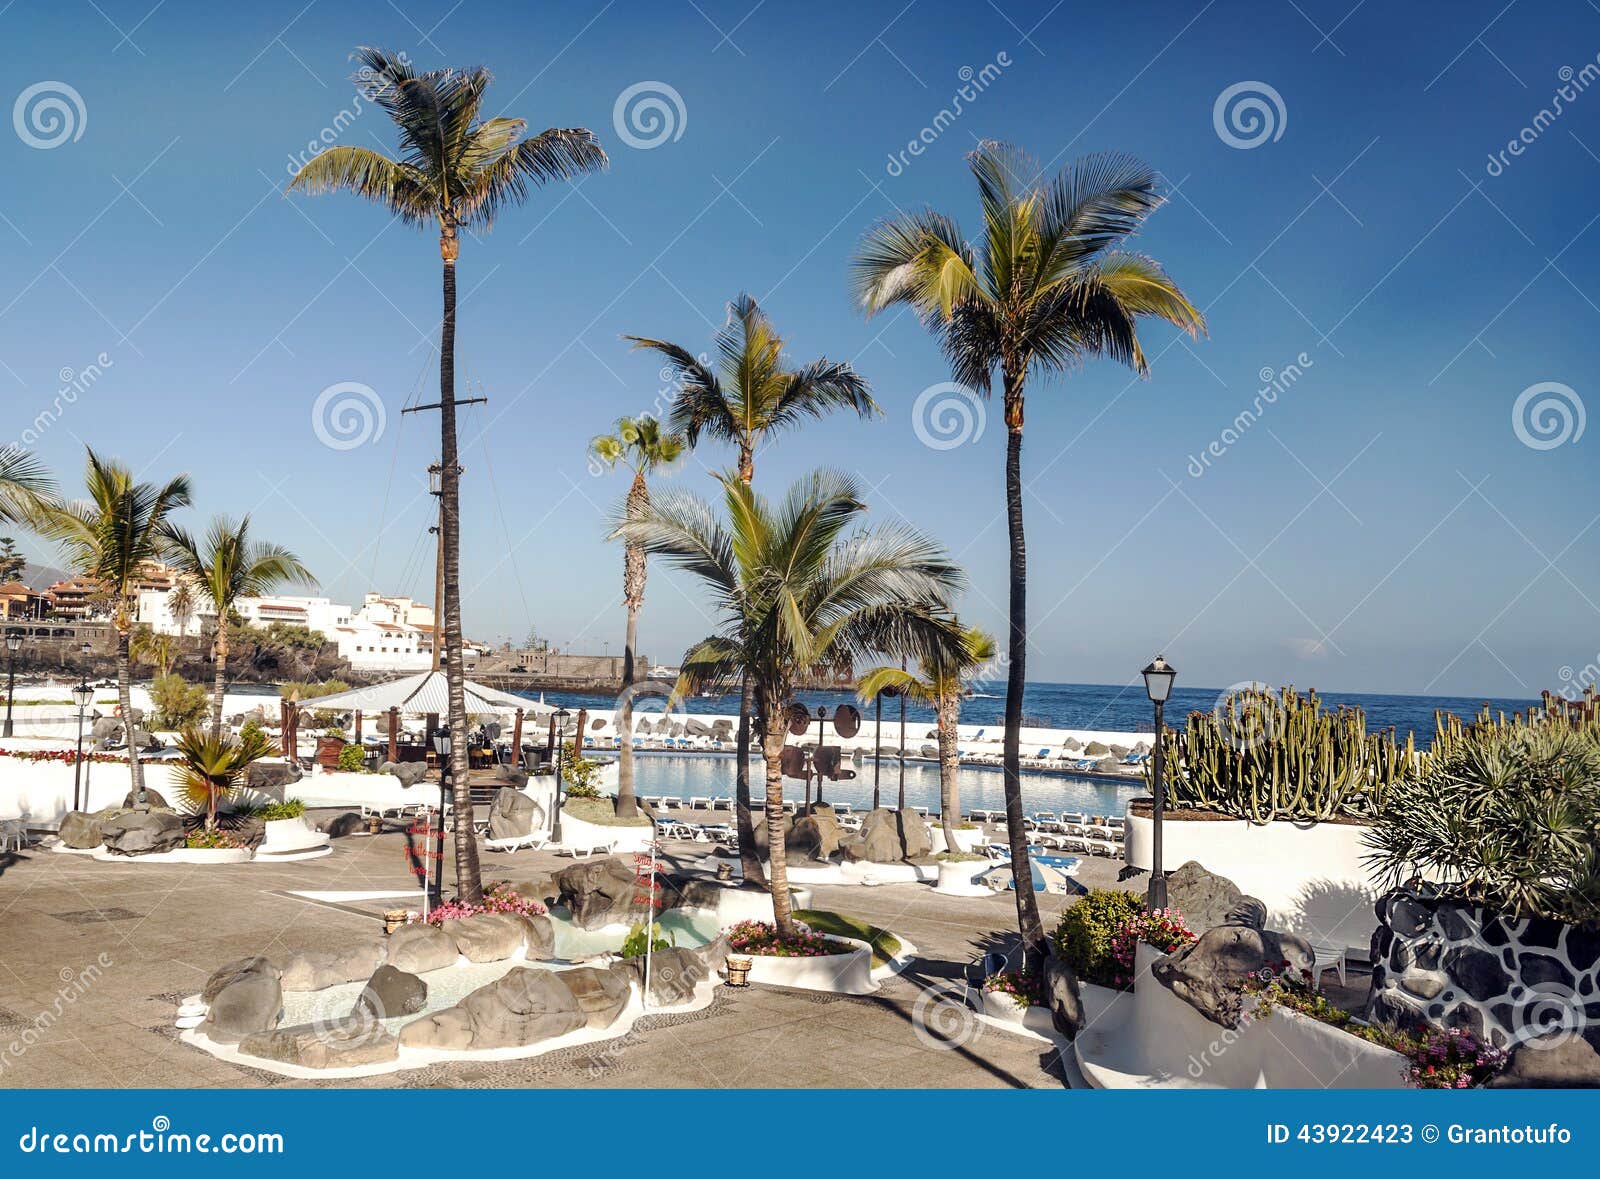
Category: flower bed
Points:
column 497, row 898
column 1024, row 990
column 762, row 937
column 808, row 961
column 68, row 756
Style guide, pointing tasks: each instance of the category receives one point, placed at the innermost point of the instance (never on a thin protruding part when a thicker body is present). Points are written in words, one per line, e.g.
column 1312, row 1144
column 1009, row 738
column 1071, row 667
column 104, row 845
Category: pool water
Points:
column 681, row 928
column 711, row 776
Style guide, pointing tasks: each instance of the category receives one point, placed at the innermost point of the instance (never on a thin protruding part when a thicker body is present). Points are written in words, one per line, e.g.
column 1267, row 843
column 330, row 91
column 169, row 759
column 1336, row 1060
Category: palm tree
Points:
column 109, row 538
column 148, row 645
column 25, row 486
column 225, row 567
column 795, row 593
column 1047, row 287
column 752, row 391
column 456, row 169
column 938, row 685
column 642, row 446
column 214, row 765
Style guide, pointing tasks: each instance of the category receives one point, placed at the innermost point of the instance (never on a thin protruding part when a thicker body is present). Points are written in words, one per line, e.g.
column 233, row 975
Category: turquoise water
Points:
column 682, row 929
column 712, row 776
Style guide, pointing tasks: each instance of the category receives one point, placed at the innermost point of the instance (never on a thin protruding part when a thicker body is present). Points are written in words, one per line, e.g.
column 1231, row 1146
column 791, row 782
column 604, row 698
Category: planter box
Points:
column 579, row 833
column 840, row 974
column 1310, row 876
column 181, row 855
column 965, row 840
column 1034, row 1018
column 286, row 838
column 328, row 751
column 960, row 879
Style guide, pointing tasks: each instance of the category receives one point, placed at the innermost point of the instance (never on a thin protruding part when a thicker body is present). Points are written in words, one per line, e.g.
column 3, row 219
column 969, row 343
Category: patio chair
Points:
column 584, row 851
column 699, row 803
column 1324, row 956
column 511, row 843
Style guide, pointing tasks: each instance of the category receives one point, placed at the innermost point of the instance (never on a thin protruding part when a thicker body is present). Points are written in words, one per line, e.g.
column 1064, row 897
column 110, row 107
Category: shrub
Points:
column 289, row 808
column 1263, row 755
column 1085, row 934
column 251, row 729
column 353, row 759
column 1505, row 816
column 635, row 944
column 1163, row 928
column 211, row 840
column 579, row 775
column 178, row 703
column 1026, row 990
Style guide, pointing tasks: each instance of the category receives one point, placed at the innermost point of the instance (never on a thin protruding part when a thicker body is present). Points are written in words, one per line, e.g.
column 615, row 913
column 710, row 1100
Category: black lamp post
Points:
column 13, row 645
column 562, row 716
column 82, row 696
column 442, row 745
column 1158, row 677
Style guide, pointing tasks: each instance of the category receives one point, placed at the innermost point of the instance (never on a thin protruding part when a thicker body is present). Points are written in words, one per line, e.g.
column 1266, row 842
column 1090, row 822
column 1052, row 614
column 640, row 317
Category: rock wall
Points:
column 1525, row 985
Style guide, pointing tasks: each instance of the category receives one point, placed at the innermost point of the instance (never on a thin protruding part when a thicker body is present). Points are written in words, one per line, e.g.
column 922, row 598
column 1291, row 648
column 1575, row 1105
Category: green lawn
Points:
column 884, row 944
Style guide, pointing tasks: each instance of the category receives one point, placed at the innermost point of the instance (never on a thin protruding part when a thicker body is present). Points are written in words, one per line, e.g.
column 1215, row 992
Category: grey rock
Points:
column 390, row 993
column 601, row 994
column 888, row 837
column 600, row 892
column 270, row 775
column 512, row 814
column 316, row 970
column 450, row 1030
column 233, row 971
column 417, row 949
column 490, row 937
column 1559, row 1060
column 253, row 1003
column 541, row 934
column 914, row 837
column 80, row 830
column 522, row 1007
column 1207, row 900
column 313, row 1047
column 815, row 836
column 410, row 773
column 154, row 798
column 676, row 972
column 1207, row 973
column 143, row 833
column 1061, row 992
column 343, row 825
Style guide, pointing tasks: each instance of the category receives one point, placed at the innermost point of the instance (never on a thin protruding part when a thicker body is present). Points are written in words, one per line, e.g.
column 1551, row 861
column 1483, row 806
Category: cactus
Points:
column 1262, row 755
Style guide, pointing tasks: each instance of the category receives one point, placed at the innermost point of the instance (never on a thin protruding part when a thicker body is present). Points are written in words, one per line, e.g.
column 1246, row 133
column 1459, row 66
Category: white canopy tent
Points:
column 424, row 694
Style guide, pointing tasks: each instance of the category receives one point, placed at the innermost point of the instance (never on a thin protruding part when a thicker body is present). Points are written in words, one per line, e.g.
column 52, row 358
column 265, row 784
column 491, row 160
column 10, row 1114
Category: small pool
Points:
column 688, row 929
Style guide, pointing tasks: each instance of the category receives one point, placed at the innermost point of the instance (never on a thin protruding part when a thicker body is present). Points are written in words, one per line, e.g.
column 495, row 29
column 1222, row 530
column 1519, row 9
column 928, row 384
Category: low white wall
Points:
column 839, row 974
column 40, row 792
column 1311, row 878
column 575, row 832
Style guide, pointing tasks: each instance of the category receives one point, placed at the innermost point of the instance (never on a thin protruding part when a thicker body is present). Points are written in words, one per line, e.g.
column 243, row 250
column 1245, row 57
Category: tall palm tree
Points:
column 25, row 486
column 110, row 537
column 643, row 447
column 751, row 391
column 794, row 592
column 456, row 170
column 1047, row 286
column 938, row 684
column 148, row 645
column 226, row 566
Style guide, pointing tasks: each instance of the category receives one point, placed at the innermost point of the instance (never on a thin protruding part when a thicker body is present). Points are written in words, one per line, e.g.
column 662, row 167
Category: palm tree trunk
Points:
column 469, row 885
column 125, row 698
column 777, row 853
column 627, row 803
column 744, row 824
column 219, row 685
column 949, row 712
column 1028, row 923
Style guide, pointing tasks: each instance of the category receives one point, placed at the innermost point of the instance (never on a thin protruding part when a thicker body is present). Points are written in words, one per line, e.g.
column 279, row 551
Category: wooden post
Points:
column 432, row 723
column 358, row 727
column 583, row 723
column 516, row 741
column 550, row 741
column 394, row 734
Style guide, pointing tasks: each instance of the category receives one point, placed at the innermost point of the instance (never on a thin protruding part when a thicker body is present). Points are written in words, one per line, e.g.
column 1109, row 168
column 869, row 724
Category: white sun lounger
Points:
column 583, row 851
column 513, row 843
column 722, row 804
column 699, row 803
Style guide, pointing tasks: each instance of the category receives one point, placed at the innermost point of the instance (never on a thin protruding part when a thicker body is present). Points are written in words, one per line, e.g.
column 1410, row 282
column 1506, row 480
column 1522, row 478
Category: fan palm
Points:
column 109, row 538
column 1046, row 288
column 226, row 566
column 214, row 766
column 938, row 684
column 456, row 170
column 642, row 446
column 794, row 592
column 751, row 391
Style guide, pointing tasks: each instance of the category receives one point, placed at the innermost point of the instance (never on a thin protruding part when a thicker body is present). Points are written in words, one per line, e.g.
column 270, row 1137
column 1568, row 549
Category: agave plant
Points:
column 214, row 766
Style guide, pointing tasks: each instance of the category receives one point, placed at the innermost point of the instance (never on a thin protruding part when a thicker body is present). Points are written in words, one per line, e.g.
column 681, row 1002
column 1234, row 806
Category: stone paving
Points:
column 94, row 957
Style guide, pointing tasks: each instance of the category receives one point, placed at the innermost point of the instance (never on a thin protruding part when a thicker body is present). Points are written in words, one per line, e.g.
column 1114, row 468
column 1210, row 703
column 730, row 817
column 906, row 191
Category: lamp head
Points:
column 1158, row 677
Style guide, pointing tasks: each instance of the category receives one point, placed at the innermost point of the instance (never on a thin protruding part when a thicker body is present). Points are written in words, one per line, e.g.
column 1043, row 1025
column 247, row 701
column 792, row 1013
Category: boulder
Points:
column 600, row 892
column 514, row 776
column 270, row 775
column 915, row 840
column 513, row 813
column 409, row 772
column 815, row 836
column 1061, row 992
column 309, row 1046
column 541, row 934
column 80, row 830
column 155, row 799
column 342, row 825
column 887, row 837
column 490, row 937
column 316, row 970
column 1207, row 973
column 676, row 972
column 250, row 1004
column 417, row 949
column 230, row 973
column 106, row 726
column 141, row 833
column 1559, row 1060
column 760, row 832
column 601, row 994
column 449, row 1030
column 522, row 1007
column 1207, row 900
column 542, row 888
column 390, row 993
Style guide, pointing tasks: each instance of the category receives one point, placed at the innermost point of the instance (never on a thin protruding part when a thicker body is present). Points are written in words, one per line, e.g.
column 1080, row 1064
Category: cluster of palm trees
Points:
column 1046, row 286
column 119, row 529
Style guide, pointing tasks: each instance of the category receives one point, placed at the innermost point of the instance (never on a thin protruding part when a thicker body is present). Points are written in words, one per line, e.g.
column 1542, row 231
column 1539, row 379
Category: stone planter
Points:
column 292, row 839
column 1002, row 1007
column 578, row 833
column 966, row 840
column 181, row 855
column 849, row 973
column 959, row 878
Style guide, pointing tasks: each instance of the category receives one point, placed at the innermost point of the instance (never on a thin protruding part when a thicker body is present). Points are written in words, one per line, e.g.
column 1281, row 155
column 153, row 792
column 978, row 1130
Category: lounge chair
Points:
column 722, row 804
column 511, row 843
column 585, row 851
column 699, row 802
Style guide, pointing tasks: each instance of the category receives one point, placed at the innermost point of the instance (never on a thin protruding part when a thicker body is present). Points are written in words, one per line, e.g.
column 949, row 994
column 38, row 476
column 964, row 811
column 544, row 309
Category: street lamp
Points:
column 442, row 746
column 13, row 645
column 561, row 717
column 82, row 696
column 1158, row 677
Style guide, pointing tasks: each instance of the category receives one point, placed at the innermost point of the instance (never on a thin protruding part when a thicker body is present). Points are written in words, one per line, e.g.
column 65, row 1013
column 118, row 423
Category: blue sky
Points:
column 1380, row 526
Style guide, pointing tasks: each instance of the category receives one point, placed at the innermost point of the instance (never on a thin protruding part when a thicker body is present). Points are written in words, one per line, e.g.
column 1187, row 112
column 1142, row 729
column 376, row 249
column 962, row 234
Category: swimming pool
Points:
column 711, row 776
